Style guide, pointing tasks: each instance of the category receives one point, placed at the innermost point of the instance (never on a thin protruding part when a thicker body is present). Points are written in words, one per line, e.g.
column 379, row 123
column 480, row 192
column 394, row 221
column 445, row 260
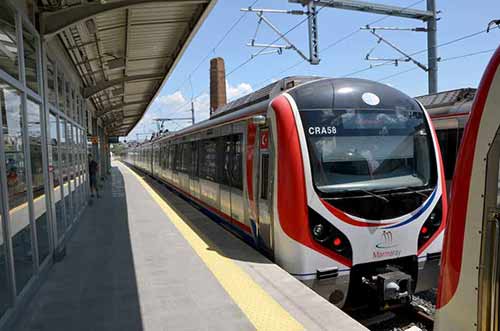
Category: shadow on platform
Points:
column 94, row 287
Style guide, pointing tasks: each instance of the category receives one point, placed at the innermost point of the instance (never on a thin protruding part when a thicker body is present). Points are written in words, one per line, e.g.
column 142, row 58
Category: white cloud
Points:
column 172, row 99
column 234, row 92
column 177, row 105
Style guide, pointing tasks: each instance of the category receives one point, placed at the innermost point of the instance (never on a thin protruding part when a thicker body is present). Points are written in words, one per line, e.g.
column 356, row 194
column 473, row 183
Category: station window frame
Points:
column 26, row 93
column 38, row 94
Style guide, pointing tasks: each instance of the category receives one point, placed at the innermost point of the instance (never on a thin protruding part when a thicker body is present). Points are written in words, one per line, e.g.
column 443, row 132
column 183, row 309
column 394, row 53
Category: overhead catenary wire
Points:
column 214, row 49
column 467, row 36
column 452, row 58
column 339, row 41
column 349, row 35
column 244, row 63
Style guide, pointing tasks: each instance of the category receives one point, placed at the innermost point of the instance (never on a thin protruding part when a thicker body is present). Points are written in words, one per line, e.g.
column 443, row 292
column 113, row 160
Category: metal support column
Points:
column 313, row 33
column 26, row 146
column 48, row 172
column 431, row 47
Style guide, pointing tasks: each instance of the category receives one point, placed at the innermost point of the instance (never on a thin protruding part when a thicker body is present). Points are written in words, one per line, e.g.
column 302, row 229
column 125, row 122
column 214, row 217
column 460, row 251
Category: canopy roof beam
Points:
column 120, row 106
column 54, row 22
column 100, row 86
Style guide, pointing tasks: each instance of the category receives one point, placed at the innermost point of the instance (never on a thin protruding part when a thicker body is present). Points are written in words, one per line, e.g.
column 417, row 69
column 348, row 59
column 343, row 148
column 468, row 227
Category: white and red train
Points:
column 449, row 111
column 340, row 181
column 469, row 289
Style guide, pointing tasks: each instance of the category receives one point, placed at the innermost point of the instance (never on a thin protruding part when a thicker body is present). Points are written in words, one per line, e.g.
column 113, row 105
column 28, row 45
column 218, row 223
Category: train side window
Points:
column 171, row 156
column 448, row 143
column 194, row 159
column 178, row 157
column 264, row 170
column 165, row 156
column 236, row 162
column 208, row 159
column 186, row 157
column 224, row 152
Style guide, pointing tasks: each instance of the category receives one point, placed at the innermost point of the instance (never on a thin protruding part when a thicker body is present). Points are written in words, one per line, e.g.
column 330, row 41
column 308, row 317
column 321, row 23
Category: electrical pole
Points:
column 192, row 112
column 432, row 58
column 428, row 16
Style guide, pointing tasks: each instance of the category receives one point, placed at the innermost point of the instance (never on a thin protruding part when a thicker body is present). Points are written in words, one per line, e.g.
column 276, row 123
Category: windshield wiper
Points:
column 378, row 196
column 411, row 189
column 375, row 195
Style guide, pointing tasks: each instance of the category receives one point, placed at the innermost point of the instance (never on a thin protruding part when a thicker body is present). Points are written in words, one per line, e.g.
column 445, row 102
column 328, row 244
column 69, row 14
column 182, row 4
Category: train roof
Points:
column 266, row 93
column 458, row 101
column 241, row 107
column 313, row 96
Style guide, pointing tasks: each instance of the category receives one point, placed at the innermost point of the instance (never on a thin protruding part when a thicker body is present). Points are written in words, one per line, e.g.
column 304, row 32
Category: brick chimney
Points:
column 217, row 84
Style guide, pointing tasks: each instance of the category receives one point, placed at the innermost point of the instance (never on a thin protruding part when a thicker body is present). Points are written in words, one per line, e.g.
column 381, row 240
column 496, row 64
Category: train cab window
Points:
column 264, row 170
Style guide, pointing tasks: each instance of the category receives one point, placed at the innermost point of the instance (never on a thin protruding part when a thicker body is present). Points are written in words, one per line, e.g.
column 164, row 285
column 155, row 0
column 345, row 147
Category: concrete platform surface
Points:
column 145, row 259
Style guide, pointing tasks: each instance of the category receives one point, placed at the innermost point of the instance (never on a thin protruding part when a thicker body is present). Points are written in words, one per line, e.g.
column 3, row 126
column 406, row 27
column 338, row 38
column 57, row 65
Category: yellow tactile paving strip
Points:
column 258, row 306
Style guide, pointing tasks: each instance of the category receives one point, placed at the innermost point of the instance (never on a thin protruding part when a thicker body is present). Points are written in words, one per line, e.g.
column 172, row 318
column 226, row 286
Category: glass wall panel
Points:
column 4, row 287
column 10, row 101
column 8, row 40
column 78, row 166
column 71, row 170
column 69, row 106
column 30, row 43
column 58, row 198
column 73, row 106
column 60, row 92
column 64, row 168
column 51, row 82
column 39, row 207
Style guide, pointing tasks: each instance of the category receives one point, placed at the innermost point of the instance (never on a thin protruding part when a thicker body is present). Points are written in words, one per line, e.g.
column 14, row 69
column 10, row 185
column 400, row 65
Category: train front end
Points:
column 359, row 208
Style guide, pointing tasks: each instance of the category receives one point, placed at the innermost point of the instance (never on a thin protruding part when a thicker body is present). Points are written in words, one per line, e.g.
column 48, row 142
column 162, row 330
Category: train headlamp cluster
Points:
column 431, row 224
column 329, row 236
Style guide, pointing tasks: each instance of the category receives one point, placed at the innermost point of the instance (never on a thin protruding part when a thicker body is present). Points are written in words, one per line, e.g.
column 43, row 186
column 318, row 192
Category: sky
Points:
column 342, row 49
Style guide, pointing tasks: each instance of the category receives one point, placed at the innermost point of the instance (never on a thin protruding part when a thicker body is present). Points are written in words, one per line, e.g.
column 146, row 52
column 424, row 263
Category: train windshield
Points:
column 367, row 149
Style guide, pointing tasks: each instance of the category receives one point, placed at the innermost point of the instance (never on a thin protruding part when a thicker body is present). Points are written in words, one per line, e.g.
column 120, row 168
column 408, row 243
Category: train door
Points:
column 264, row 199
column 237, row 202
column 194, row 184
column 489, row 274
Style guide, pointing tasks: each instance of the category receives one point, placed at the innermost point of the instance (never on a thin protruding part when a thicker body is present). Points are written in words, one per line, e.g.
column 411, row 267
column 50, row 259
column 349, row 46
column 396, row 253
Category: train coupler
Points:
column 391, row 287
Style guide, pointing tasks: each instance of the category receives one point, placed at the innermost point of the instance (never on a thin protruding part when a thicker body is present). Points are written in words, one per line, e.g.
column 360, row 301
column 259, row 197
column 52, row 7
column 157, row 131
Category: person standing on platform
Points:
column 93, row 167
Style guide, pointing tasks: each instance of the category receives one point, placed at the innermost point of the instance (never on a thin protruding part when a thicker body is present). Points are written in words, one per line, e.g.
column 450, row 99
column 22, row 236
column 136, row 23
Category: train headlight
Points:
column 431, row 225
column 319, row 232
column 328, row 235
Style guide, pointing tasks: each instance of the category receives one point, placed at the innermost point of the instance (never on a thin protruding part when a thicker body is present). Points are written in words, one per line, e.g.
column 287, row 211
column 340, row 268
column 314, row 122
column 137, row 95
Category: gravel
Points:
column 406, row 321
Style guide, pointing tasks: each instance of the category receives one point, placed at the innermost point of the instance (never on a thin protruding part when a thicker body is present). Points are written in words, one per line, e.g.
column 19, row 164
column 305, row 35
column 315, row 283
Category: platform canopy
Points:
column 123, row 50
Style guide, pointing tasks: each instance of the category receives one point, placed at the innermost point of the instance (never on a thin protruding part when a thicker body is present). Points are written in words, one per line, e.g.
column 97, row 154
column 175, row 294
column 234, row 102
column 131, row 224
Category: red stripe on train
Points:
column 454, row 237
column 292, row 197
column 346, row 219
column 444, row 197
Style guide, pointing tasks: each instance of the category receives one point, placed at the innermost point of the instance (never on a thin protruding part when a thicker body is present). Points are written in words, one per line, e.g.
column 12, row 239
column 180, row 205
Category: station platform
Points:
column 142, row 258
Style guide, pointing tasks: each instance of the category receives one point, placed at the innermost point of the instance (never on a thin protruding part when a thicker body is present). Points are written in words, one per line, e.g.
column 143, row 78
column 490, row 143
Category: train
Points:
column 339, row 181
column 469, row 286
column 449, row 111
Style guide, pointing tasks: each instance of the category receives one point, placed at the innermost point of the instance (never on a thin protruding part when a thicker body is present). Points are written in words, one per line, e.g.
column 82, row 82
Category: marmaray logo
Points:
column 386, row 240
